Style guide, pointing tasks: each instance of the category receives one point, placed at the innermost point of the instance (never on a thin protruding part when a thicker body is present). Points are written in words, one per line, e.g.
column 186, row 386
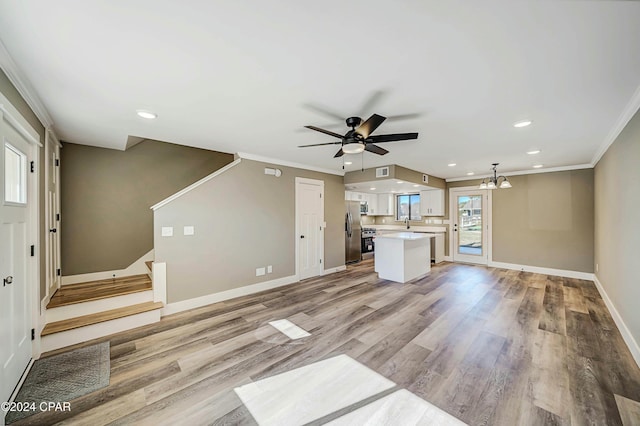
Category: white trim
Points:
column 633, row 346
column 487, row 199
column 195, row 185
column 627, row 114
column 18, row 122
column 197, row 302
column 136, row 268
column 540, row 270
column 159, row 279
column 448, row 258
column 524, row 172
column 53, row 135
column 334, row 270
column 268, row 160
column 23, row 86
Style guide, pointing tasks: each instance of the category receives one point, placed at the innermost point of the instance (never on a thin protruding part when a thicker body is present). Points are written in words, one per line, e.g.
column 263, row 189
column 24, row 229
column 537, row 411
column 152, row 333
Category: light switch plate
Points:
column 269, row 269
column 189, row 230
column 167, row 231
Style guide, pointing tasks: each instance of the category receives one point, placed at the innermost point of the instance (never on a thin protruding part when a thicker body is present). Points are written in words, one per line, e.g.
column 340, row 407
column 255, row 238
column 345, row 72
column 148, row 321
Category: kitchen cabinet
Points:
column 372, row 204
column 354, row 196
column 385, row 205
column 432, row 202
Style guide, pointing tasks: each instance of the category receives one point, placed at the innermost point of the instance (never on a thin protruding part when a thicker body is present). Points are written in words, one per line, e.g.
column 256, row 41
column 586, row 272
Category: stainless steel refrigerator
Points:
column 352, row 232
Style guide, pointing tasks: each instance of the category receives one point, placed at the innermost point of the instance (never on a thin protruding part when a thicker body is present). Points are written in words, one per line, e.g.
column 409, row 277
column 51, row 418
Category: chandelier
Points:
column 493, row 180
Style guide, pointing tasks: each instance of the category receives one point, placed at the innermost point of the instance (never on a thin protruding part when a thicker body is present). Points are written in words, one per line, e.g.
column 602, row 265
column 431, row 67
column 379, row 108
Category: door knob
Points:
column 7, row 280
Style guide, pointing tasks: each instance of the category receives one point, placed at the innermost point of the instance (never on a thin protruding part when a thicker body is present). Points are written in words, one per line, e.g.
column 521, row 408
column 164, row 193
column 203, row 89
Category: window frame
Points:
column 23, row 176
column 411, row 213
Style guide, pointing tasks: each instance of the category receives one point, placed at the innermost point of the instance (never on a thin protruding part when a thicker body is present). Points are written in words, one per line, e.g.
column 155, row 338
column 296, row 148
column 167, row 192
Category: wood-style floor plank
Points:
column 489, row 346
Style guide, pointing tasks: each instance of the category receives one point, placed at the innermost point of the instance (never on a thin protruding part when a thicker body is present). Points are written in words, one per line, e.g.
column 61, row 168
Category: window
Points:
column 408, row 206
column 15, row 175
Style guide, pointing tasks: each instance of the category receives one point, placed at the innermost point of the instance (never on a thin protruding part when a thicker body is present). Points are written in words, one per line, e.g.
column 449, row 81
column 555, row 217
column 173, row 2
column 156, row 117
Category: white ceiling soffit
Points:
column 235, row 76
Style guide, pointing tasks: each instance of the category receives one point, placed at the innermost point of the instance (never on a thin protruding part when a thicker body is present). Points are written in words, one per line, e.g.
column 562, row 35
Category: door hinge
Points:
column 58, row 217
column 58, row 272
column 57, row 162
column 32, row 166
column 33, row 334
column 33, row 251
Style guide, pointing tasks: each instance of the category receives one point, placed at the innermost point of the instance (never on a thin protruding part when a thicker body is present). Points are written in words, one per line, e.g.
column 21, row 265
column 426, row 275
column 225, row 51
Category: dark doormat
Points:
column 63, row 377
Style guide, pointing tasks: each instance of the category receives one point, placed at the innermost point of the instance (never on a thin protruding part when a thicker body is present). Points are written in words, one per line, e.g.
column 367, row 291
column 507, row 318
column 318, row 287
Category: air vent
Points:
column 382, row 172
column 425, row 179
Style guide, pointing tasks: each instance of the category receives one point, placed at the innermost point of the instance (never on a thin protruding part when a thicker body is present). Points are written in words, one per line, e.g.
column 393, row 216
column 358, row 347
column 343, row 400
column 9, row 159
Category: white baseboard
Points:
column 136, row 268
column 334, row 270
column 447, row 259
column 539, row 270
column 197, row 302
column 624, row 330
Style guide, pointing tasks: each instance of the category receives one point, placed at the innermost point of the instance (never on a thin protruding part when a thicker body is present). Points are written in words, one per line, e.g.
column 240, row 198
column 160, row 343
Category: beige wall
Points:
column 243, row 220
column 617, row 228
column 106, row 195
column 545, row 220
column 10, row 92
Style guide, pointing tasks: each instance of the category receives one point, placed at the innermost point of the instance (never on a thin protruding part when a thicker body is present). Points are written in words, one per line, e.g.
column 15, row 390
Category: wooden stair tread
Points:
column 101, row 289
column 98, row 317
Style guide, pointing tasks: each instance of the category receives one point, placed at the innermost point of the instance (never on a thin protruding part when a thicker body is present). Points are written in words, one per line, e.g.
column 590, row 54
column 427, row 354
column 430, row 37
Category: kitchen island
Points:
column 402, row 256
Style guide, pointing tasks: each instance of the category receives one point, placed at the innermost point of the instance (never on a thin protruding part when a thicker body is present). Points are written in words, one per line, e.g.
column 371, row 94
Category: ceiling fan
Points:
column 359, row 138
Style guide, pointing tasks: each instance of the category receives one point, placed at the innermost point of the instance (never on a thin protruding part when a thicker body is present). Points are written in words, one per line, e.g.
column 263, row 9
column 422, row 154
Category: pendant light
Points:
column 492, row 182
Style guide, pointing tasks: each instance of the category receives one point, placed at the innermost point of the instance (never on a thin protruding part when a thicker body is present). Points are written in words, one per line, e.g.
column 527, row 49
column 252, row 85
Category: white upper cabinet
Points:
column 385, row 205
column 432, row 202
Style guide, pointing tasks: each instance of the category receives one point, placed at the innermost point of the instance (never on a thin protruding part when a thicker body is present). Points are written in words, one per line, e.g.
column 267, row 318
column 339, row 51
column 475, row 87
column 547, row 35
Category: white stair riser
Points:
column 94, row 331
column 91, row 307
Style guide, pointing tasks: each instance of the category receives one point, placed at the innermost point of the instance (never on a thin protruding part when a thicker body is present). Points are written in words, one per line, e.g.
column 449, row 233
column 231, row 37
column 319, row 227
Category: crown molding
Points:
column 262, row 159
column 23, row 87
column 627, row 114
column 524, row 172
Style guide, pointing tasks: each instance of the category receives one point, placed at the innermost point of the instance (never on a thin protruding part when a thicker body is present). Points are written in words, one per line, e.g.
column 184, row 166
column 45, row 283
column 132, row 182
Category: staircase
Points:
column 80, row 312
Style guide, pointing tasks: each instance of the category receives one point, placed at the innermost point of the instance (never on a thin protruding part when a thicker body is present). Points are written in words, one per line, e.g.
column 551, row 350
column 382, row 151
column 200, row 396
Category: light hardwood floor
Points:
column 489, row 346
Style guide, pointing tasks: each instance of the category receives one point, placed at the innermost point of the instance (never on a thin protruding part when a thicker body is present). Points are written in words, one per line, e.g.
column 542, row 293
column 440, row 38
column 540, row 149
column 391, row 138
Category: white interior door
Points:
column 470, row 233
column 15, row 295
column 309, row 227
column 52, row 171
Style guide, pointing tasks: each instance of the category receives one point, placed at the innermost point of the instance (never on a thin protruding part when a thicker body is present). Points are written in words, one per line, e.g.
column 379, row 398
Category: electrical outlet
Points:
column 259, row 272
column 269, row 269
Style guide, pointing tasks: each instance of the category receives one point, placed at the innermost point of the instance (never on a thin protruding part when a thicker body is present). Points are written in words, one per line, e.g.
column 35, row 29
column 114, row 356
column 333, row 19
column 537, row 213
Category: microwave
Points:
column 364, row 208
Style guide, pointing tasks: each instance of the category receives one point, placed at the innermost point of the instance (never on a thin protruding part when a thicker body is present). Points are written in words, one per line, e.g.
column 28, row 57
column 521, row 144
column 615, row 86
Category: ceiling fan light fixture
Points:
column 353, row 148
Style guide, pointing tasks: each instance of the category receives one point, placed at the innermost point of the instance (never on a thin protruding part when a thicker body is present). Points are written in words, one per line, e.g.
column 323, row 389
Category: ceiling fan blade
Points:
column 338, row 154
column 320, row 144
column 392, row 138
column 326, row 132
column 375, row 149
column 325, row 111
column 371, row 102
column 370, row 125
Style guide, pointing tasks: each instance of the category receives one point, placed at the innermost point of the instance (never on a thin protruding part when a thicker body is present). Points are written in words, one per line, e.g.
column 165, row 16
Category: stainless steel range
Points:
column 368, row 235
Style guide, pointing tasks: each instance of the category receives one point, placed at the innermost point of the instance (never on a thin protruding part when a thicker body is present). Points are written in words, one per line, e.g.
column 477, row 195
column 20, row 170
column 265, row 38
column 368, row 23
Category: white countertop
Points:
column 403, row 228
column 405, row 236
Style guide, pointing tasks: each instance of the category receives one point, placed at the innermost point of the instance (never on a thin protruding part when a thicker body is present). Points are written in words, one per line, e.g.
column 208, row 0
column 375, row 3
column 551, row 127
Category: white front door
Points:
column 52, row 170
column 15, row 303
column 309, row 227
column 470, row 226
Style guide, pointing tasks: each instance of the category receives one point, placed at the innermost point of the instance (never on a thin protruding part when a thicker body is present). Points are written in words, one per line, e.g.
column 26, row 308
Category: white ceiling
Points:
column 386, row 186
column 240, row 75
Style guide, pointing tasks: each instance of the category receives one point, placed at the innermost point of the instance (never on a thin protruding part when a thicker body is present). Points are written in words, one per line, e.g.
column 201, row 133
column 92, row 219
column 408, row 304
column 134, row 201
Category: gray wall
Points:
column 617, row 228
column 10, row 92
column 243, row 220
column 545, row 220
column 106, row 195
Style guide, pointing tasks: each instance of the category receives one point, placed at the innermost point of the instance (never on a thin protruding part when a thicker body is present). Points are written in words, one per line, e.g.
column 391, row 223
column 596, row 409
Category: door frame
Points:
column 50, row 139
column 320, row 184
column 453, row 210
column 22, row 126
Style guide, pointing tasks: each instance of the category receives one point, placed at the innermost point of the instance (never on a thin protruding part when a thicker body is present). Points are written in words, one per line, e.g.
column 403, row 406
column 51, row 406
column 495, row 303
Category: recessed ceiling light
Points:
column 416, row 185
column 372, row 189
column 400, row 181
column 538, row 166
column 451, row 164
column 348, row 163
column 523, row 123
column 533, row 152
column 470, row 173
column 147, row 114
